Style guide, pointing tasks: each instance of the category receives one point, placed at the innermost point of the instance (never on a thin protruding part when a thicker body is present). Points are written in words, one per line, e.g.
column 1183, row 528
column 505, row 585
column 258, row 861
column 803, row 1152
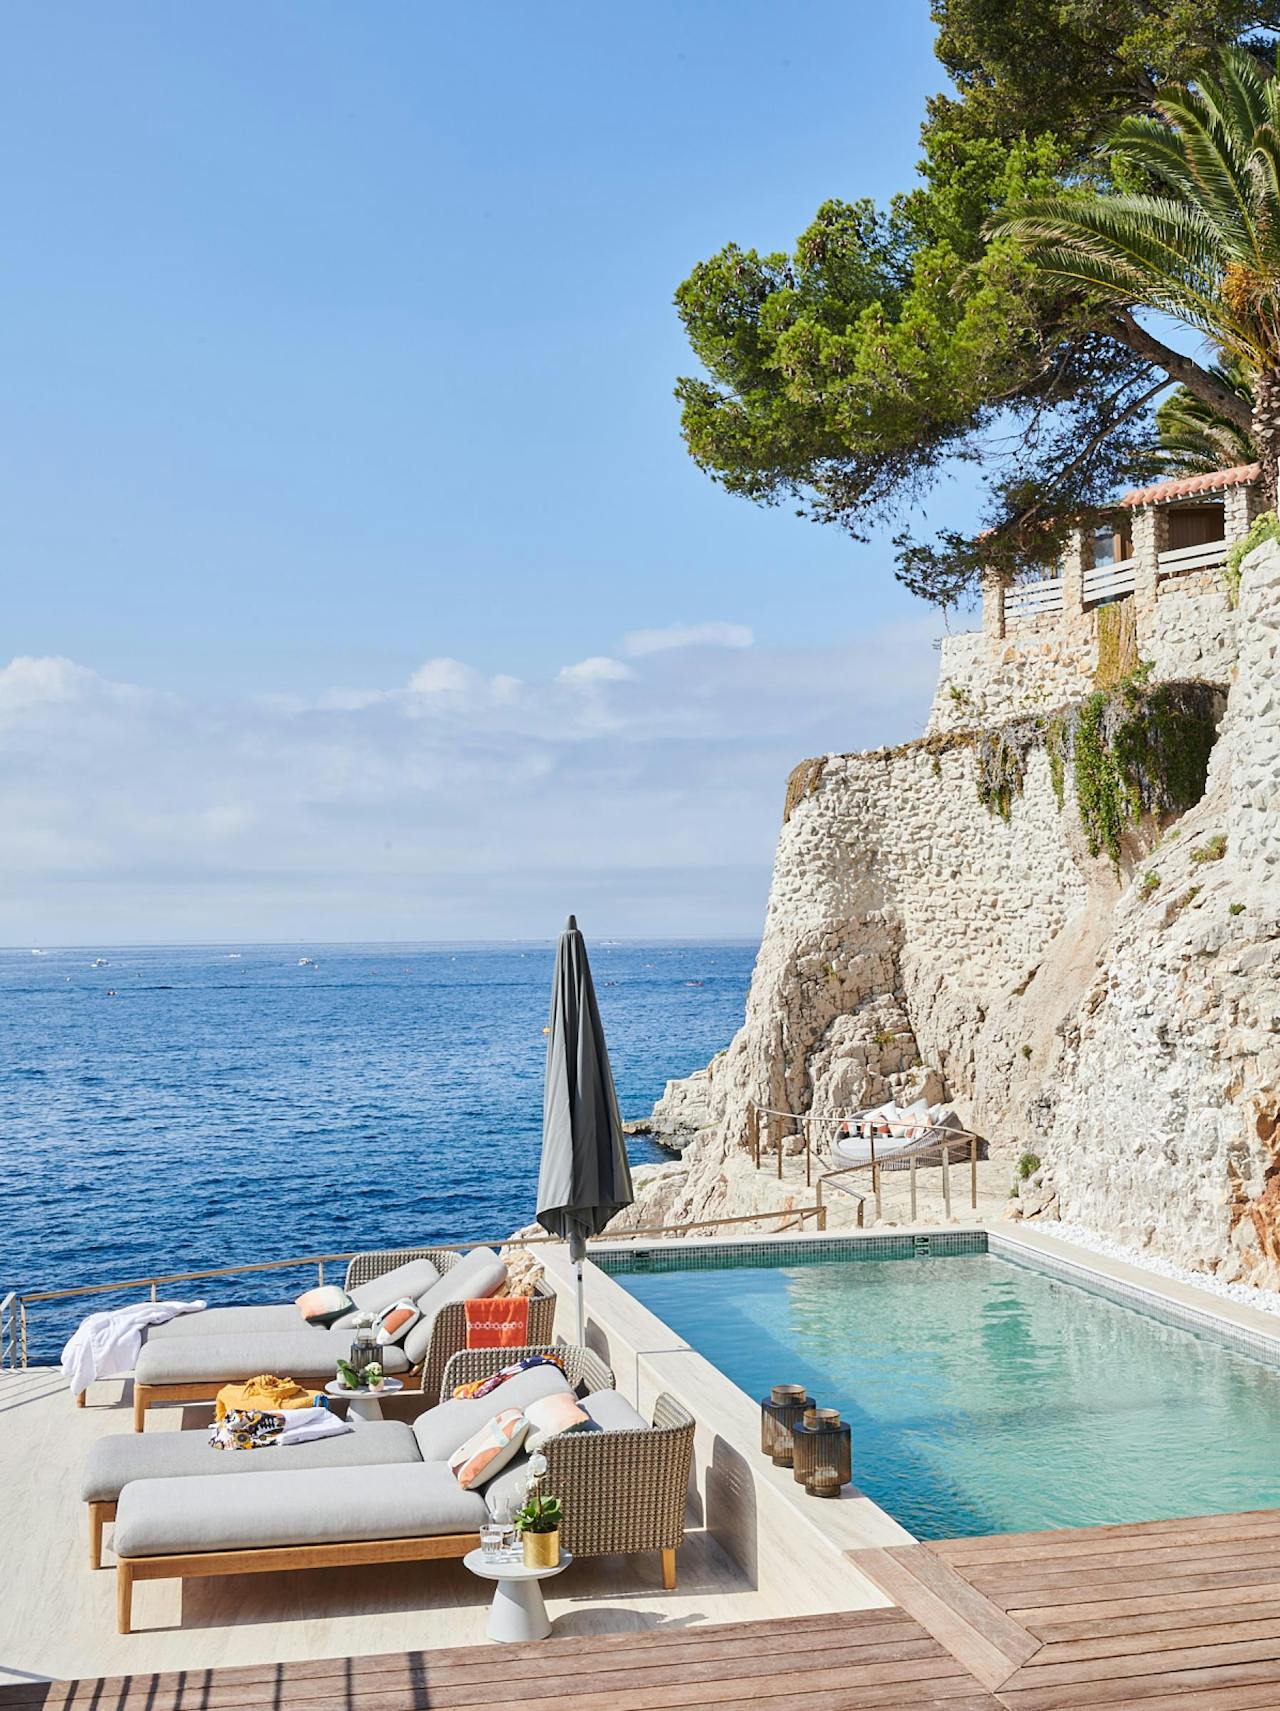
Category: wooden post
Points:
column 946, row 1181
column 875, row 1183
column 973, row 1171
column 913, row 1188
column 777, row 1121
column 753, row 1131
column 808, row 1151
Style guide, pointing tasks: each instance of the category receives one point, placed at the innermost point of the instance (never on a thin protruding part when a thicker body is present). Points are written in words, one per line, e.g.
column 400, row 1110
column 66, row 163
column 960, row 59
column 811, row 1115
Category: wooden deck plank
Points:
column 1099, row 1542
column 1043, row 1618
column 1130, row 1582
column 1139, row 1691
column 1141, row 1662
column 1125, row 1640
column 977, row 1545
column 973, row 1629
column 1150, row 1560
column 1132, row 1617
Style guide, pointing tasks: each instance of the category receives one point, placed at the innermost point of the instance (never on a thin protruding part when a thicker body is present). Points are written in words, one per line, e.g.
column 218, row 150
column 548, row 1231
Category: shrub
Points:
column 1150, row 884
column 1028, row 1165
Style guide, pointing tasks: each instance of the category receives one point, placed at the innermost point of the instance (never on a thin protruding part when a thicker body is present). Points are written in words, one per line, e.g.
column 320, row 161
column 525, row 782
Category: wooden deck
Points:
column 1165, row 1616
column 1161, row 1616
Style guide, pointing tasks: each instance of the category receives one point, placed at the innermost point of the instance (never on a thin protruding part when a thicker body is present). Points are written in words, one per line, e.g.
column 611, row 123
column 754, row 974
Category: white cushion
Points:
column 440, row 1430
column 480, row 1274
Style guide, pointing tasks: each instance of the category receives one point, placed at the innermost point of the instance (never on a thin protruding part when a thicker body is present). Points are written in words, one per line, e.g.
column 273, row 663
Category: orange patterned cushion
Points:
column 488, row 1450
column 322, row 1306
column 394, row 1321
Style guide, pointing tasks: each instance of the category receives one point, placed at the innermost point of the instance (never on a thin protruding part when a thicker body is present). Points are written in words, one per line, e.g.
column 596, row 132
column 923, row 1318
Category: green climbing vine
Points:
column 1265, row 528
column 1134, row 749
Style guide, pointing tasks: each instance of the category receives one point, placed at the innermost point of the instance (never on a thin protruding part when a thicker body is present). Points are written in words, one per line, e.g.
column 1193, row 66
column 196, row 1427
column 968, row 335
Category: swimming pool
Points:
column 985, row 1396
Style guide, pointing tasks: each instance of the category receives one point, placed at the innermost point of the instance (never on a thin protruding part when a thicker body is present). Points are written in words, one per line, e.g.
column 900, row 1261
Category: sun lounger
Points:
column 244, row 1341
column 624, row 1486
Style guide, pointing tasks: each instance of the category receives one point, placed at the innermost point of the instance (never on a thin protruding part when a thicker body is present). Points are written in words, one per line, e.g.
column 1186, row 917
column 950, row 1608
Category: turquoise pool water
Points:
column 986, row 1397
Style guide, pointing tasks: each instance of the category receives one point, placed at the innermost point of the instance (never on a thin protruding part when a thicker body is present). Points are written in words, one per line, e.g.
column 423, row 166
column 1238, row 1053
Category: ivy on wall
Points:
column 1133, row 749
column 1265, row 528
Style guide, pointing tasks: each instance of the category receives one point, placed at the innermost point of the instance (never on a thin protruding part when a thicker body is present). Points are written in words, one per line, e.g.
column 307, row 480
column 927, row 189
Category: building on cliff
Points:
column 1105, row 1000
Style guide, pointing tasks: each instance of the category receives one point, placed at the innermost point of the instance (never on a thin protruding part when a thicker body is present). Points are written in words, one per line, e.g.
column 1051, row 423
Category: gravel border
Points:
column 1265, row 1300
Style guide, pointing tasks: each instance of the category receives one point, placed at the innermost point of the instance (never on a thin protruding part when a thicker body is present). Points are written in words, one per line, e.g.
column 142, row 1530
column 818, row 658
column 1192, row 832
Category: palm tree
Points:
column 1195, row 438
column 1203, row 248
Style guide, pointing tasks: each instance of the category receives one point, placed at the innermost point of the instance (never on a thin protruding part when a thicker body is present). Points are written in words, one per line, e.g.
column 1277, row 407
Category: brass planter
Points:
column 541, row 1550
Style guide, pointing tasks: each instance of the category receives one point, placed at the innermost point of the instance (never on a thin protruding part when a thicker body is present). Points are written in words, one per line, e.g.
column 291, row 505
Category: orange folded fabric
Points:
column 500, row 1324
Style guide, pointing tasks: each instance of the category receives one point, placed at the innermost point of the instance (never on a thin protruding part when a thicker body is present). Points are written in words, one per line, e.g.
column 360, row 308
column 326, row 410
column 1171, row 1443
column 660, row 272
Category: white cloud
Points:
column 714, row 635
column 458, row 805
column 598, row 669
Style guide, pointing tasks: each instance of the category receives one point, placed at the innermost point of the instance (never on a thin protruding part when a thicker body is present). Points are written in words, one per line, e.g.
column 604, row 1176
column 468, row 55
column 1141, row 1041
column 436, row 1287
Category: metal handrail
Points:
column 15, row 1305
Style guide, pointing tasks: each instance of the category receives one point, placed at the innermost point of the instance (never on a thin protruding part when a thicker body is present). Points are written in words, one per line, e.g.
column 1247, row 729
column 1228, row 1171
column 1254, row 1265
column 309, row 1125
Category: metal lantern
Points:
column 364, row 1350
column 779, row 1412
column 823, row 1452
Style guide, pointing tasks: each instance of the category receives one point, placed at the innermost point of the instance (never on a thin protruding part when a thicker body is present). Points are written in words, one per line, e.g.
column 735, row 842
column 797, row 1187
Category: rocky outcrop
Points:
column 1121, row 1021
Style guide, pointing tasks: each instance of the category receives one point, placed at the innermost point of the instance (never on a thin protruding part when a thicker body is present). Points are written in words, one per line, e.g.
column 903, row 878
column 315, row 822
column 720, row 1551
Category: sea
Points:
column 166, row 1110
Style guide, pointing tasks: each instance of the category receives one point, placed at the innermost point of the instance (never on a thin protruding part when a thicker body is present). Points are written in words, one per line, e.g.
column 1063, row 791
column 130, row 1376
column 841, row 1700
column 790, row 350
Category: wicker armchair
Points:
column 622, row 1491
column 449, row 1333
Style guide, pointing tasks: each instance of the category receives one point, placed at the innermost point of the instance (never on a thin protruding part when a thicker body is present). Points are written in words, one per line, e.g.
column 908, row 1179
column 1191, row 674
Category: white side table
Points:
column 517, row 1612
column 363, row 1404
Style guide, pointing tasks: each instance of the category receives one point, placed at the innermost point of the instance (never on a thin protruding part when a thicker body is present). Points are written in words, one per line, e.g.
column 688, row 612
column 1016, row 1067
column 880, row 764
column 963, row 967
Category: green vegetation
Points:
column 1028, row 1165
column 1134, row 749
column 847, row 375
column 1026, row 1052
column 1235, row 909
column 883, row 1039
column 1265, row 528
column 1149, row 885
column 1187, row 898
column 1117, row 644
column 1214, row 850
column 1190, row 230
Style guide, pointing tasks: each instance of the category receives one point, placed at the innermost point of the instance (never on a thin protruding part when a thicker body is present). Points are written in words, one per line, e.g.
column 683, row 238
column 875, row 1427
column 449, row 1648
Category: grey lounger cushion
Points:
column 117, row 1461
column 170, row 1517
column 408, row 1282
column 443, row 1429
column 476, row 1276
column 229, row 1322
column 307, row 1354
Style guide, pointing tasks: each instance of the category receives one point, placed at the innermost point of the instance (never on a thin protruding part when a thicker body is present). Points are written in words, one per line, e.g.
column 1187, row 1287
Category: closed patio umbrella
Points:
column 584, row 1177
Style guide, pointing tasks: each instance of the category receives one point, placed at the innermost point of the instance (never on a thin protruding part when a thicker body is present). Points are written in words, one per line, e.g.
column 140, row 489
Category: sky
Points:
column 356, row 581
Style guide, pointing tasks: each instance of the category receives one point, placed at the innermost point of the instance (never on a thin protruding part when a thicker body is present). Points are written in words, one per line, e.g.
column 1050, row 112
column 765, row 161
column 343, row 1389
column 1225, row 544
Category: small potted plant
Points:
column 539, row 1520
column 374, row 1375
column 348, row 1377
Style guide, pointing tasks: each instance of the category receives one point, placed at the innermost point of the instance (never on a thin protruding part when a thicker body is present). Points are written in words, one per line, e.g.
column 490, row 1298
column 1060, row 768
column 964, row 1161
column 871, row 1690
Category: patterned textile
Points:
column 494, row 1324
column 245, row 1429
column 482, row 1386
column 489, row 1450
column 394, row 1323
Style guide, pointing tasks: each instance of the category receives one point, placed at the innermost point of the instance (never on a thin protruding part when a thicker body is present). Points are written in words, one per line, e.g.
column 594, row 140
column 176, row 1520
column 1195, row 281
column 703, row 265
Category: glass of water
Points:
column 493, row 1536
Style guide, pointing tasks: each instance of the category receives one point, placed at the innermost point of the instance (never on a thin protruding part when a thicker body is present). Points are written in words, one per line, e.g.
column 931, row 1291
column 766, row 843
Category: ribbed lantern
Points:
column 779, row 1412
column 364, row 1349
column 822, row 1452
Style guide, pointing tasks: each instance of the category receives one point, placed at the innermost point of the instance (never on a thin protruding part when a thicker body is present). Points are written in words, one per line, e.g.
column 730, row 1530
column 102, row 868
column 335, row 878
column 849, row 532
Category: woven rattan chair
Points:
column 449, row 1334
column 622, row 1491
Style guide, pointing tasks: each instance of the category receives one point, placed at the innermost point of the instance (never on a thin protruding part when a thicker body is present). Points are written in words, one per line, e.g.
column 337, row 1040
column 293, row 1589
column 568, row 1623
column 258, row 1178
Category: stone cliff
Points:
column 937, row 924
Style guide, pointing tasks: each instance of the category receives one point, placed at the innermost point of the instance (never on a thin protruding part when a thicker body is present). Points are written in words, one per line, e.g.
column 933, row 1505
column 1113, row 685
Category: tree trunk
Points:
column 1266, row 433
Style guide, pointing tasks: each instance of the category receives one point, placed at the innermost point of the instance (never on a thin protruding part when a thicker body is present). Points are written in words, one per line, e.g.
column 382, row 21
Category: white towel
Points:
column 303, row 1424
column 105, row 1345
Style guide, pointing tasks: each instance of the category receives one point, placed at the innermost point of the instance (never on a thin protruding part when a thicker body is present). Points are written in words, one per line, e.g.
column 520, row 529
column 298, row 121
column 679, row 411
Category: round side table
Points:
column 363, row 1404
column 517, row 1612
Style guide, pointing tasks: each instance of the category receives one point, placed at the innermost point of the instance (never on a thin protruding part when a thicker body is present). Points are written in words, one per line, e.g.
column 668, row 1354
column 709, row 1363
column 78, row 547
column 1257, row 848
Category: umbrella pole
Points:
column 582, row 1311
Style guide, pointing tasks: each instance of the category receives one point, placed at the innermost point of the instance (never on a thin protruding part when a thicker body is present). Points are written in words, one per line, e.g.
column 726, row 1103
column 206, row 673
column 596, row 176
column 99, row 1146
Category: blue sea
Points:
column 174, row 1109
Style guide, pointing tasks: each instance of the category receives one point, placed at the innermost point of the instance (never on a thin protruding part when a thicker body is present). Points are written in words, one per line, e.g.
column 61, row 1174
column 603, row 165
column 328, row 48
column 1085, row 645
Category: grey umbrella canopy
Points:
column 584, row 1177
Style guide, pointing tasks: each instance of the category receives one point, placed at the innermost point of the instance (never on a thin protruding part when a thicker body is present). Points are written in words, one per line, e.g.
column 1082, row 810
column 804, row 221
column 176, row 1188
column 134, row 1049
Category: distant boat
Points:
column 37, row 953
column 99, row 962
column 233, row 956
column 306, row 962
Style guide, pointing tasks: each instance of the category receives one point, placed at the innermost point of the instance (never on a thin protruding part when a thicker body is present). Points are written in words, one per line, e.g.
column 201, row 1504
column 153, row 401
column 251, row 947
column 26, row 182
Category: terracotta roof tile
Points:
column 1183, row 488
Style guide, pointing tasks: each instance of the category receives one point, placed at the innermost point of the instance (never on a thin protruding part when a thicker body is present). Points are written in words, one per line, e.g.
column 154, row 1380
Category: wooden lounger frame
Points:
column 267, row 1560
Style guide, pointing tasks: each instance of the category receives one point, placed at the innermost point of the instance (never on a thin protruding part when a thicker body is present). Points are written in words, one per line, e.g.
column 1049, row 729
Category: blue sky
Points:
column 338, row 343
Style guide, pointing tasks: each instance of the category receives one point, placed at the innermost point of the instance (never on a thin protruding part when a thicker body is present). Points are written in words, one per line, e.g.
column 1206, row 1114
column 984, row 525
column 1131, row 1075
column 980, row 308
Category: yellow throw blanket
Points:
column 264, row 1392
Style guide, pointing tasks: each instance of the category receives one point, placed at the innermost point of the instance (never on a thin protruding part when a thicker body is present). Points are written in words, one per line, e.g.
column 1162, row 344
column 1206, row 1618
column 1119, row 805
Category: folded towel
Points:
column 265, row 1393
column 502, row 1324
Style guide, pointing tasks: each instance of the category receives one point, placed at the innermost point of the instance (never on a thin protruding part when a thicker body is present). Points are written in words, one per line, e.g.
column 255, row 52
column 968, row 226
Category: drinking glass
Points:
column 492, row 1540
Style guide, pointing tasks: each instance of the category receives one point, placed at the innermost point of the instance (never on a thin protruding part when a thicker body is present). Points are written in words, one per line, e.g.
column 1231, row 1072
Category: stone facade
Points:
column 1125, row 1029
